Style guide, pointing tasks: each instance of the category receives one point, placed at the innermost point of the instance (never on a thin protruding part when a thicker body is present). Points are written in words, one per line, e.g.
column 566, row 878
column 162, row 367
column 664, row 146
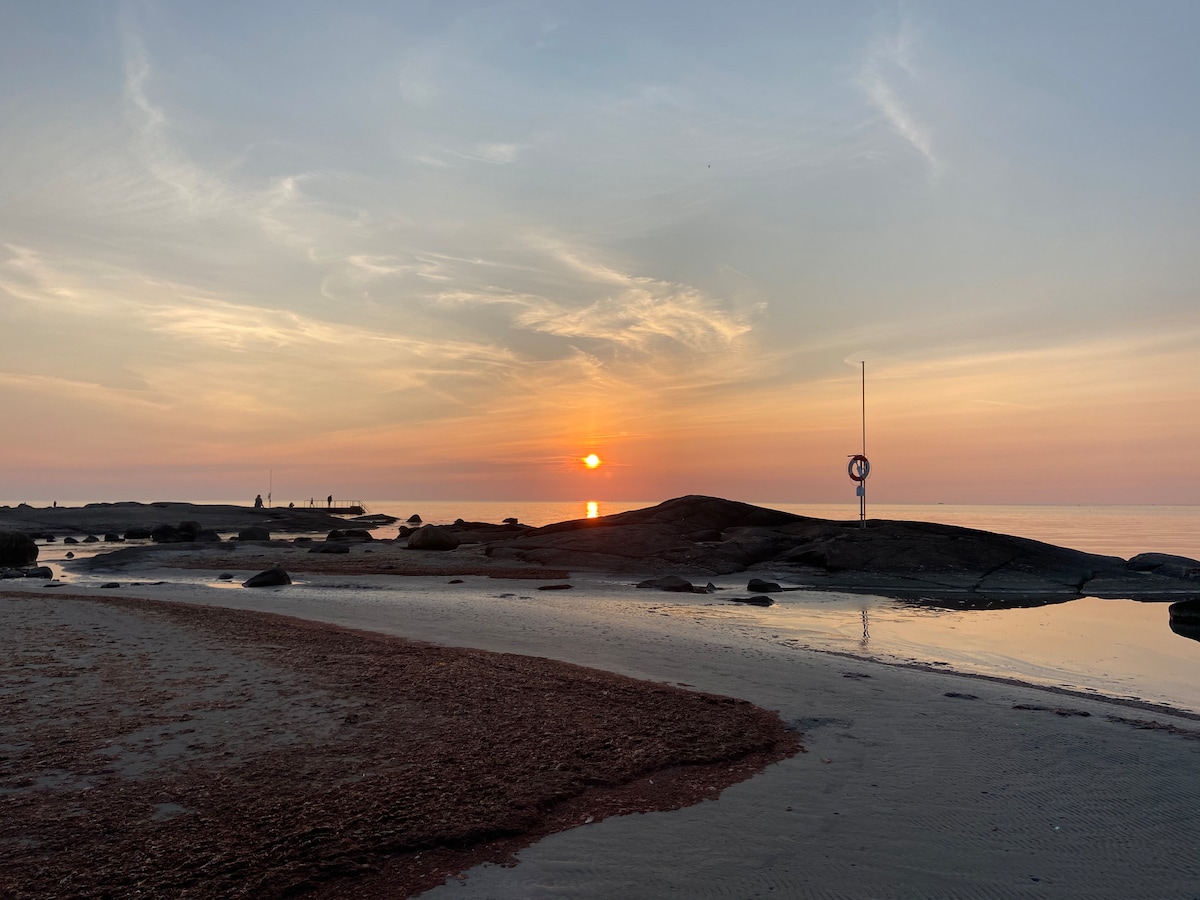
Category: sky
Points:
column 446, row 250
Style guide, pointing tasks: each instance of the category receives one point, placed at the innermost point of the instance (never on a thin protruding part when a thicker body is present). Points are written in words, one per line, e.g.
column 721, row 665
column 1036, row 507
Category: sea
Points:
column 1111, row 647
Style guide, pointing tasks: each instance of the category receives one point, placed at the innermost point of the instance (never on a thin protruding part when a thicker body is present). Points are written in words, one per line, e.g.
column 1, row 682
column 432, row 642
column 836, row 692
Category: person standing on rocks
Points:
column 258, row 501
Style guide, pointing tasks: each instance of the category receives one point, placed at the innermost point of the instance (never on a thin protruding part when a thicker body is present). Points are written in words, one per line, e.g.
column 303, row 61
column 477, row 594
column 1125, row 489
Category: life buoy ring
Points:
column 859, row 467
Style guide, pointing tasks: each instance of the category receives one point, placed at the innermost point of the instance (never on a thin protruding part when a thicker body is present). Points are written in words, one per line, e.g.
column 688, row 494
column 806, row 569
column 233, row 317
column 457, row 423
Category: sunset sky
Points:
column 446, row 250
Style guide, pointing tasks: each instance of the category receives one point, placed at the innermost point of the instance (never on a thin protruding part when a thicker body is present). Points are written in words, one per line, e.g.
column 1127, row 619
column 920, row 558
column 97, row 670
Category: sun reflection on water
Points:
column 593, row 509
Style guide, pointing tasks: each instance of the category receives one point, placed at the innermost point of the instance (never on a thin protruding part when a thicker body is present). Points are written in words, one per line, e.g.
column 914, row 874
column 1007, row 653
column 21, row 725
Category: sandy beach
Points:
column 915, row 784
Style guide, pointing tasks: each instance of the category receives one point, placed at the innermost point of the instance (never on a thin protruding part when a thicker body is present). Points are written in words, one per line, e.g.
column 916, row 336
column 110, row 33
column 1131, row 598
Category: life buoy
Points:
column 859, row 467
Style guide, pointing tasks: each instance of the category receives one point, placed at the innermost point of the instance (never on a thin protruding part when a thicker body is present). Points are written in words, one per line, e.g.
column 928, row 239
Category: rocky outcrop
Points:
column 894, row 558
column 135, row 520
column 17, row 549
column 255, row 533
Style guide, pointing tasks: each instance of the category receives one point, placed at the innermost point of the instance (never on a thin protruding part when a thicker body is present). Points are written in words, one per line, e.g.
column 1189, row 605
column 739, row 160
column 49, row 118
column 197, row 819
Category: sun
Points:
column 591, row 460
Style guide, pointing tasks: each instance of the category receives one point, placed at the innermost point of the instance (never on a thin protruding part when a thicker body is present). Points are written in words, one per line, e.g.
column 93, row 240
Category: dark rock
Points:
column 111, row 584
column 1186, row 612
column 207, row 536
column 17, row 548
column 70, row 540
column 511, row 520
column 255, row 533
column 358, row 535
column 460, row 522
column 166, row 534
column 432, row 537
column 113, row 538
column 91, row 539
column 39, row 572
column 404, row 531
column 1166, row 564
column 762, row 587
column 455, row 581
column 555, row 587
column 270, row 578
column 414, row 519
column 11, row 573
column 137, row 534
column 760, row 600
column 335, row 547
column 676, row 583
column 225, row 576
column 70, row 555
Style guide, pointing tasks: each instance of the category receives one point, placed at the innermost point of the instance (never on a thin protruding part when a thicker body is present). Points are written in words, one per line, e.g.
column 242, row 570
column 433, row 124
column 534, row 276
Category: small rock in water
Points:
column 271, row 577
column 675, row 583
column 760, row 600
column 554, row 587
column 759, row 586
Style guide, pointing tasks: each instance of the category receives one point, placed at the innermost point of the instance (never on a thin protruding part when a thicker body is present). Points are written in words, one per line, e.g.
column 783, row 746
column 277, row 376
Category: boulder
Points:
column 758, row 586
column 207, row 536
column 270, row 578
column 39, row 572
column 359, row 535
column 17, row 548
column 137, row 533
column 432, row 537
column 70, row 540
column 112, row 537
column 91, row 539
column 189, row 530
column 754, row 601
column 166, row 534
column 414, row 519
column 1185, row 618
column 255, row 533
column 1186, row 612
column 676, row 583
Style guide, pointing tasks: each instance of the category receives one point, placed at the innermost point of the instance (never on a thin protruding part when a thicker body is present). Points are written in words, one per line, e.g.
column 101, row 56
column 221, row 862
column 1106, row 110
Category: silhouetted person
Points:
column 329, row 501
column 258, row 501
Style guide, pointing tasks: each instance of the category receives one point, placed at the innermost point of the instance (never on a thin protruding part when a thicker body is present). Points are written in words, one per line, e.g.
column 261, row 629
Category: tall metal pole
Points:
column 862, row 497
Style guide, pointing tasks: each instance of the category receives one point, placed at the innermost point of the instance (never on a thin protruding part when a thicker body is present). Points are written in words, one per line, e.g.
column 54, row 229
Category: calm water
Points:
column 1114, row 647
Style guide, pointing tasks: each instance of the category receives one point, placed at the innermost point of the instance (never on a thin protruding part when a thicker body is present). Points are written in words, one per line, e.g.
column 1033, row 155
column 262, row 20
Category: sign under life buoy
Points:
column 859, row 467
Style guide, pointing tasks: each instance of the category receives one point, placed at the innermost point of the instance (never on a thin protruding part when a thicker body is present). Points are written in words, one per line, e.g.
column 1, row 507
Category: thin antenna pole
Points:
column 863, row 363
column 862, row 485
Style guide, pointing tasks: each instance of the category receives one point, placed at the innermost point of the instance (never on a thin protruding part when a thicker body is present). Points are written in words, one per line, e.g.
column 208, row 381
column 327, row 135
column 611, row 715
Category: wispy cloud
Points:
column 628, row 312
column 887, row 70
